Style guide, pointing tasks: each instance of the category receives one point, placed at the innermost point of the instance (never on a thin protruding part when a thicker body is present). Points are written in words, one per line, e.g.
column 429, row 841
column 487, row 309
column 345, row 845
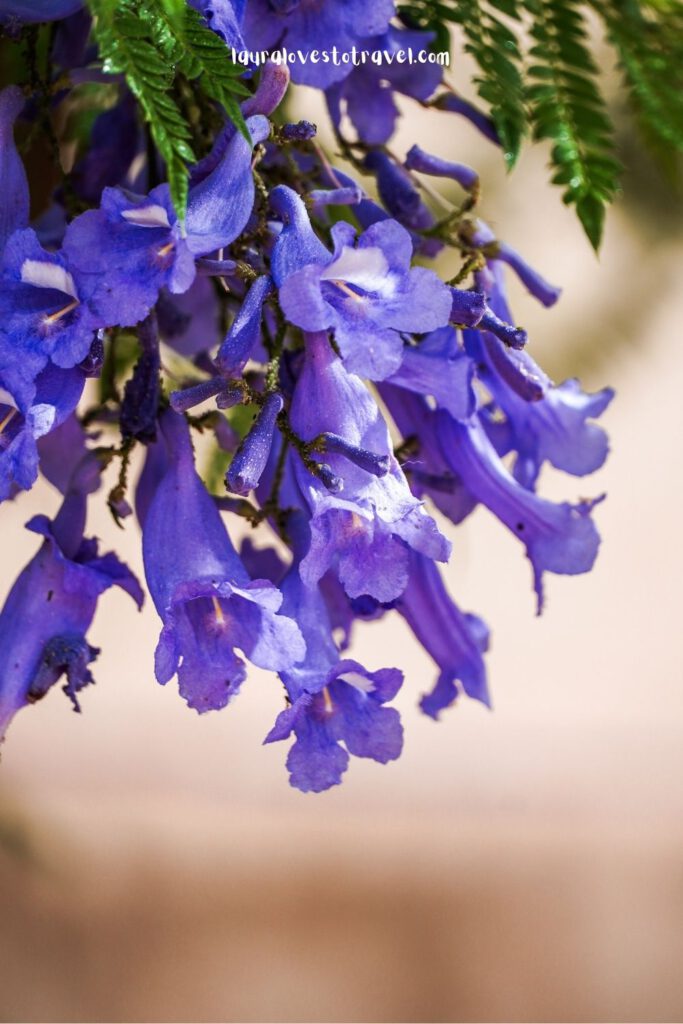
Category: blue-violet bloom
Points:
column 202, row 592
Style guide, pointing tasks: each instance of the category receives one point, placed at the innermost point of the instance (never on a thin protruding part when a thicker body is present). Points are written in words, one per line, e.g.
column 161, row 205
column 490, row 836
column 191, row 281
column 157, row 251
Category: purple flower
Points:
column 457, row 105
column 424, row 463
column 347, row 709
column 45, row 309
column 454, row 640
column 366, row 292
column 546, row 293
column 398, row 192
column 270, row 91
column 14, row 208
column 309, row 25
column 301, row 131
column 245, row 330
column 512, row 365
column 520, row 372
column 365, row 530
column 418, row 160
column 28, row 11
column 30, row 409
column 130, row 248
column 251, row 457
column 49, row 609
column 368, row 90
column 134, row 245
column 223, row 16
column 332, row 701
column 556, row 428
column 297, row 244
column 493, row 280
column 559, row 538
column 202, row 592
column 367, row 212
column 438, row 366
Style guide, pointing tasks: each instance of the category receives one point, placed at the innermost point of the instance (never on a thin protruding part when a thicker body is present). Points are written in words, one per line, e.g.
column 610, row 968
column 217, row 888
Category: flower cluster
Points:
column 352, row 400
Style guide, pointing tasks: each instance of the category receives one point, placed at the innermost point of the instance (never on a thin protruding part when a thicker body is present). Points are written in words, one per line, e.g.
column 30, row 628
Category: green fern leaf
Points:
column 207, row 58
column 649, row 44
column 568, row 110
column 495, row 48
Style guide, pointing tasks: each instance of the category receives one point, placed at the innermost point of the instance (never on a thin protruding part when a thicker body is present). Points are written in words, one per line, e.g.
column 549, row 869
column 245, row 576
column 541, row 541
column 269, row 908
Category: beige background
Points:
column 525, row 864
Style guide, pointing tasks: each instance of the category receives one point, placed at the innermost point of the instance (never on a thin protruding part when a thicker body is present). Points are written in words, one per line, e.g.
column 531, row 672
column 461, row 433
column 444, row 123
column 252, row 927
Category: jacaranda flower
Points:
column 556, row 428
column 365, row 530
column 366, row 292
column 134, row 245
column 455, row 640
column 28, row 411
column 367, row 92
column 307, row 25
column 560, row 538
column 48, row 612
column 336, row 707
column 423, row 462
column 45, row 304
column 202, row 592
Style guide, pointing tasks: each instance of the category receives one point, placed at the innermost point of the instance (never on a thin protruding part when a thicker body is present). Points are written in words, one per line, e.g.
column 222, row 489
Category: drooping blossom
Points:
column 202, row 592
column 365, row 529
column 47, row 614
column 365, row 291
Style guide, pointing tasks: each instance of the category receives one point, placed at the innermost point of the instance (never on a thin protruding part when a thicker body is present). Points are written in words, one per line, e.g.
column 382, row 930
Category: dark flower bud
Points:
column 302, row 131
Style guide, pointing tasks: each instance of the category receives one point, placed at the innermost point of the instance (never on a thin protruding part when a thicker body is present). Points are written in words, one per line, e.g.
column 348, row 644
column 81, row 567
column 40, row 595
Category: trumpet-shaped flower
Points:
column 133, row 246
column 45, row 308
column 365, row 529
column 454, row 639
column 336, row 707
column 207, row 602
column 48, row 612
column 366, row 292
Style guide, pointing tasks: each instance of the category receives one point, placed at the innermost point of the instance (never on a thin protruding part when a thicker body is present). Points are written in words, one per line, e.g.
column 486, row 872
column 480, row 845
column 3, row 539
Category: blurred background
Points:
column 520, row 864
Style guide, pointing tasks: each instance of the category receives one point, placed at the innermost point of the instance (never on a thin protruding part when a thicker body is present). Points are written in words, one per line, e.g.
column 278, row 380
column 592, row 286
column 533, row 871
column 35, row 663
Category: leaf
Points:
column 495, row 48
column 567, row 109
column 649, row 43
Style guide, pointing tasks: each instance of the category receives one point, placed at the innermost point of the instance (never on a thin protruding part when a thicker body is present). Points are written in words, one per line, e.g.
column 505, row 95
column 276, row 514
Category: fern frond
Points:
column 649, row 44
column 567, row 108
column 494, row 46
column 207, row 58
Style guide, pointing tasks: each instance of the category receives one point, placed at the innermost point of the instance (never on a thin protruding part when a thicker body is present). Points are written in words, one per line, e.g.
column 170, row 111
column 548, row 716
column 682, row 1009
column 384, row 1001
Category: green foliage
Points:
column 649, row 44
column 206, row 59
column 494, row 47
column 152, row 42
column 536, row 73
column 567, row 108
